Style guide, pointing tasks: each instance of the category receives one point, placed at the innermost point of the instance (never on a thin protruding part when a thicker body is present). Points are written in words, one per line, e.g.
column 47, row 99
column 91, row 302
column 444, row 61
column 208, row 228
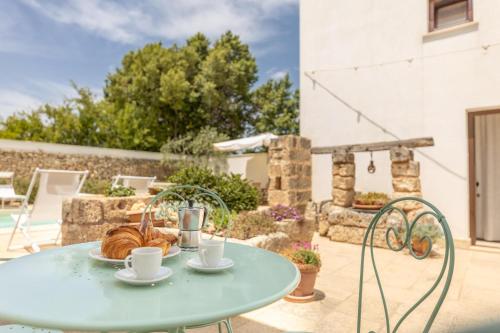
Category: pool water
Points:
column 6, row 221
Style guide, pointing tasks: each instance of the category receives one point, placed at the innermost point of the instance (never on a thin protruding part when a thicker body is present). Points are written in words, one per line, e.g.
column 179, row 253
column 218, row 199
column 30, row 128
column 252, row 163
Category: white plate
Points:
column 196, row 264
column 95, row 253
column 130, row 277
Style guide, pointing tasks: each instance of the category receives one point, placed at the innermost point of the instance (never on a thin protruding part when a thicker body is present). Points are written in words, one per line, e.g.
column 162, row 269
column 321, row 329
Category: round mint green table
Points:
column 65, row 289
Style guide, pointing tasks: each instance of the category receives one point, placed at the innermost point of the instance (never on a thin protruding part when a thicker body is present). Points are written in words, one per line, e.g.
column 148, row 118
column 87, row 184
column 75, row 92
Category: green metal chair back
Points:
column 448, row 262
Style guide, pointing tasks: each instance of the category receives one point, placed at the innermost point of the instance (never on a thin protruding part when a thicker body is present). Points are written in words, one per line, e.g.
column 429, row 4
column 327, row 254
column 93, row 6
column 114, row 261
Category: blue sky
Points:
column 44, row 44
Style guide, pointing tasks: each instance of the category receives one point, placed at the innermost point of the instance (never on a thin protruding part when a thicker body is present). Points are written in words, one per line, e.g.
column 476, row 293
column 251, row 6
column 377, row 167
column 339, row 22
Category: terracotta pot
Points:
column 308, row 275
column 419, row 247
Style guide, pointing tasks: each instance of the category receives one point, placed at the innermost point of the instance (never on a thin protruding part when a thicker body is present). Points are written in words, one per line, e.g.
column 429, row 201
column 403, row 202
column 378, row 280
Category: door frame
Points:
column 471, row 114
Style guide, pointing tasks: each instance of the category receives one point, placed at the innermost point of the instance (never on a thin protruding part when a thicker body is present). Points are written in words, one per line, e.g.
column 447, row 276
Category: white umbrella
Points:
column 261, row 140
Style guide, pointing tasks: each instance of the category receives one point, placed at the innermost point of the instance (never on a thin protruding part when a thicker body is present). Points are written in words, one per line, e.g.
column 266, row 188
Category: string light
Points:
column 406, row 60
column 361, row 115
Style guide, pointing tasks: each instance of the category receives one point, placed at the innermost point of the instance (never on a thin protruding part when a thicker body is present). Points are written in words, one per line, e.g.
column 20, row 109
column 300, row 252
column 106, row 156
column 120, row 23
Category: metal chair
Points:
column 140, row 184
column 448, row 262
column 53, row 187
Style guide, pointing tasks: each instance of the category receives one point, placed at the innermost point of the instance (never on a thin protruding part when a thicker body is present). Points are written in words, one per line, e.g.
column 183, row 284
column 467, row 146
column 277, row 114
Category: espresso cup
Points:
column 145, row 262
column 211, row 252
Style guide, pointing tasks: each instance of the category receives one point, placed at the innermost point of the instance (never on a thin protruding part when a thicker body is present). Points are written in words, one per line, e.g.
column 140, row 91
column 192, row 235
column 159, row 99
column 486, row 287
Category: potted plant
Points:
column 308, row 261
column 420, row 233
column 370, row 200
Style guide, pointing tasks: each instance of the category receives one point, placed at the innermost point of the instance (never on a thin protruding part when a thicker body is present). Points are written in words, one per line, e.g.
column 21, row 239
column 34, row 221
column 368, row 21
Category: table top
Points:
column 64, row 289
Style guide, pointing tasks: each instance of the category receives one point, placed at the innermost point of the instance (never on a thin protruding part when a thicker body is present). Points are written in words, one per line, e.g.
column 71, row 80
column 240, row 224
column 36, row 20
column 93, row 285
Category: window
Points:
column 448, row 13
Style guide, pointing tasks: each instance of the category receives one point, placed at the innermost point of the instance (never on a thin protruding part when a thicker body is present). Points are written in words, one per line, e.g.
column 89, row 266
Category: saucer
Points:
column 129, row 277
column 195, row 263
column 96, row 254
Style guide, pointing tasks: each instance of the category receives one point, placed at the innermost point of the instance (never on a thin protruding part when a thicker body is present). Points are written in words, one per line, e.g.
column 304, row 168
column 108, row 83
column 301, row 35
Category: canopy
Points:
column 245, row 143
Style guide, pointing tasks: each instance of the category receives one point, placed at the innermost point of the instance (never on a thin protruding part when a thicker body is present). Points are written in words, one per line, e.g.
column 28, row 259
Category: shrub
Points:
column 251, row 224
column 282, row 212
column 96, row 186
column 219, row 219
column 120, row 191
column 237, row 193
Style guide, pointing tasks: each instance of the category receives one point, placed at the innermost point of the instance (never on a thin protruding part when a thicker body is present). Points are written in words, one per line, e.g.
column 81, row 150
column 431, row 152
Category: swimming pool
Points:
column 6, row 221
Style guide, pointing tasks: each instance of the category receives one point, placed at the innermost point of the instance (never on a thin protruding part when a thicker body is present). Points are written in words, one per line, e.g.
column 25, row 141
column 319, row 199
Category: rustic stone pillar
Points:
column 289, row 171
column 344, row 179
column 405, row 177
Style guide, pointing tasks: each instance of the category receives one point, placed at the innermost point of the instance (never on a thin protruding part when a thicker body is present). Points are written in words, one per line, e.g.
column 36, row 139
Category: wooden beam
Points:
column 376, row 146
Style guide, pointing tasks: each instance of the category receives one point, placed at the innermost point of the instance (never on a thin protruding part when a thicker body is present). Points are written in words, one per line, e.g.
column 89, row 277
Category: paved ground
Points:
column 474, row 296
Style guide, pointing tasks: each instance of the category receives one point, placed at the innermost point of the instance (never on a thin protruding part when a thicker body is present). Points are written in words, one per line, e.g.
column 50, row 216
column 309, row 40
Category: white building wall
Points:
column 427, row 96
column 251, row 166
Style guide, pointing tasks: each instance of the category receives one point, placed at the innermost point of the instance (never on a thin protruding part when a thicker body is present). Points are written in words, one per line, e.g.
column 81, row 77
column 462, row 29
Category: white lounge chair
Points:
column 7, row 188
column 54, row 186
column 140, row 184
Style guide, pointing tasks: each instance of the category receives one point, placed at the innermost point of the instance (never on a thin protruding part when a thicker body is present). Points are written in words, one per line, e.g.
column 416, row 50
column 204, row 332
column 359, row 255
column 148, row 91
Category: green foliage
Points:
column 276, row 107
column 431, row 230
column 96, row 186
column 251, row 224
column 219, row 219
column 196, row 148
column 79, row 120
column 178, row 90
column 160, row 93
column 119, row 191
column 306, row 257
column 237, row 193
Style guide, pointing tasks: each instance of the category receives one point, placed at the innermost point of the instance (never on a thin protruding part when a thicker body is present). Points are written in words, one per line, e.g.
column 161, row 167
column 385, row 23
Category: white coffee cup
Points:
column 145, row 262
column 211, row 252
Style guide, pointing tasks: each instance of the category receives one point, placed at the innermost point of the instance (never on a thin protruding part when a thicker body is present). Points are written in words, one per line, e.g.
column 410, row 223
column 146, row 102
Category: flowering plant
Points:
column 304, row 253
column 282, row 212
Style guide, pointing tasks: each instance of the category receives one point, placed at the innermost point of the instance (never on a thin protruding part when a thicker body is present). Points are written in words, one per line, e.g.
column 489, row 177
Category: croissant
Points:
column 120, row 241
column 172, row 239
column 161, row 243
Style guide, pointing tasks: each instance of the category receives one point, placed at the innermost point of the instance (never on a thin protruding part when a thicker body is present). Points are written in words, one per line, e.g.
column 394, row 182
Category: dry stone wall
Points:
column 289, row 171
column 23, row 163
column 405, row 178
column 344, row 173
column 346, row 225
column 87, row 219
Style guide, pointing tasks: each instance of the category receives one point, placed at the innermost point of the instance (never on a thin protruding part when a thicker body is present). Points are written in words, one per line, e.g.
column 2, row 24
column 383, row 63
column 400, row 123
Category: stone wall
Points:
column 87, row 219
column 344, row 173
column 346, row 225
column 289, row 171
column 405, row 178
column 101, row 163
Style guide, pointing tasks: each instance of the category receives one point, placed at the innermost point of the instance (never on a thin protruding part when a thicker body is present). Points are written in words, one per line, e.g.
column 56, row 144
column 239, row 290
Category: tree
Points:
column 160, row 94
column 276, row 107
column 195, row 148
column 79, row 121
column 177, row 90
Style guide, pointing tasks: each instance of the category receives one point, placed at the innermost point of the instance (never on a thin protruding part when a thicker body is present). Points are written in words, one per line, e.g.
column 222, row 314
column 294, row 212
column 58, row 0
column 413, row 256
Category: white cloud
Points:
column 279, row 75
column 130, row 22
column 35, row 93
column 13, row 100
column 276, row 74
